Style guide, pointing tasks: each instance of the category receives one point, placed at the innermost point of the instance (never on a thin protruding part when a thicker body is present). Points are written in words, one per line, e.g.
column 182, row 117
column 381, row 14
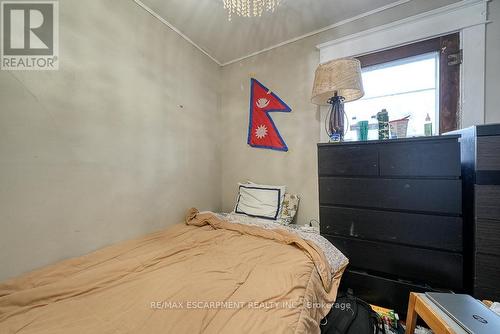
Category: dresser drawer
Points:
column 381, row 291
column 442, row 269
column 348, row 160
column 488, row 156
column 429, row 159
column 487, row 276
column 484, row 292
column 404, row 228
column 488, row 237
column 487, row 271
column 487, row 201
column 439, row 196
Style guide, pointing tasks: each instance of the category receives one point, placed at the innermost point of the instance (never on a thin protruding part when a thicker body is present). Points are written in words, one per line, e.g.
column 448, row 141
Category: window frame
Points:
column 449, row 75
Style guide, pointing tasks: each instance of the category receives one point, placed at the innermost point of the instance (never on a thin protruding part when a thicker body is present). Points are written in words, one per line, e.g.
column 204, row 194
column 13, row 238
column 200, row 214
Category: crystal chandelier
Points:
column 249, row 8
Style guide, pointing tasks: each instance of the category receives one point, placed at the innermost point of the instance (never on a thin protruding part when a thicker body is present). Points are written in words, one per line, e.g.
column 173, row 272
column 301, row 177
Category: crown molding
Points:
column 437, row 22
column 295, row 39
column 315, row 32
column 415, row 18
column 171, row 26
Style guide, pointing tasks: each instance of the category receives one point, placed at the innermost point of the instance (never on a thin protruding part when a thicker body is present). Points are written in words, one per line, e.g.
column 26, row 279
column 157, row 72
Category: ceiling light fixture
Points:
column 249, row 8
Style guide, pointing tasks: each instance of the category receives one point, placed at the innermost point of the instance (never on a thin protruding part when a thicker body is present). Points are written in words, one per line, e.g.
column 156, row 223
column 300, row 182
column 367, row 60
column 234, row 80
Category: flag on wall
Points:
column 262, row 132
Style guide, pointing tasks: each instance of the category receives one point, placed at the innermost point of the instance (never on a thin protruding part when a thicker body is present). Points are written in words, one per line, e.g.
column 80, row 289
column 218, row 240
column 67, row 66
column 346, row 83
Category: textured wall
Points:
column 289, row 71
column 99, row 151
column 493, row 63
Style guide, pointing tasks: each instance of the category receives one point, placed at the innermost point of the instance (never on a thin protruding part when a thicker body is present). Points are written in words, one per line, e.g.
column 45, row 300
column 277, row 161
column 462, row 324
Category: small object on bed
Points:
column 310, row 229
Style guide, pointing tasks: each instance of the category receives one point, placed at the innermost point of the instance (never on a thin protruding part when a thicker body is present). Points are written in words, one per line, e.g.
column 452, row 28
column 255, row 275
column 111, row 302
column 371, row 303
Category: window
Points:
column 414, row 81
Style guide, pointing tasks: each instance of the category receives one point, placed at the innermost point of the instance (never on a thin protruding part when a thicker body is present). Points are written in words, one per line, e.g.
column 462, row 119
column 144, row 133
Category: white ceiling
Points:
column 205, row 22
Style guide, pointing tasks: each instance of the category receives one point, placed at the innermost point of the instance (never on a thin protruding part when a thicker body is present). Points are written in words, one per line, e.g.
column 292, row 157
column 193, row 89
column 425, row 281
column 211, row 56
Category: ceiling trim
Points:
column 315, row 32
column 295, row 39
column 388, row 28
column 171, row 26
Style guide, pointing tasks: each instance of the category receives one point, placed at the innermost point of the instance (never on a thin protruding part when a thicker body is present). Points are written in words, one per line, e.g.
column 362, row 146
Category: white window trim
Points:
column 468, row 17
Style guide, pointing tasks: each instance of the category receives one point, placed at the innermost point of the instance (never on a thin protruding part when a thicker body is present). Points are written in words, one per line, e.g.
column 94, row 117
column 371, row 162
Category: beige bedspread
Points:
column 205, row 276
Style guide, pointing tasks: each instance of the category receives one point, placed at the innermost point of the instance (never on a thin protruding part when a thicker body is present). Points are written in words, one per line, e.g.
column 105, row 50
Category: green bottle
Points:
column 428, row 126
column 383, row 124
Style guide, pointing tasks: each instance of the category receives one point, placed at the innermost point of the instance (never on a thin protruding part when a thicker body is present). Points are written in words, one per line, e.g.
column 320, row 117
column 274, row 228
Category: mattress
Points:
column 212, row 274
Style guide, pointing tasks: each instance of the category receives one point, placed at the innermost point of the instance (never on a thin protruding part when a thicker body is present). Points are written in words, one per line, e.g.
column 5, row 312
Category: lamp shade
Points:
column 341, row 76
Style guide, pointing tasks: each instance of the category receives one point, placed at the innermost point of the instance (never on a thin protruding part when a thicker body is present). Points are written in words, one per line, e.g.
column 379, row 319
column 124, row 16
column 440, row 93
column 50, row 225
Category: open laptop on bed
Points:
column 469, row 313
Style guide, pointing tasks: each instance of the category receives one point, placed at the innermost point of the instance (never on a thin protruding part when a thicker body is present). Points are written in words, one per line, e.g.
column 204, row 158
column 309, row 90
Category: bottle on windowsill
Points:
column 373, row 128
column 383, row 124
column 428, row 126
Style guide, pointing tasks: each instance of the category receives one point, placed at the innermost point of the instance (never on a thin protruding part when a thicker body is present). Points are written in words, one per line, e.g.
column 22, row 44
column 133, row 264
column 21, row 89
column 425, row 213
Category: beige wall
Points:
column 99, row 151
column 288, row 71
column 493, row 63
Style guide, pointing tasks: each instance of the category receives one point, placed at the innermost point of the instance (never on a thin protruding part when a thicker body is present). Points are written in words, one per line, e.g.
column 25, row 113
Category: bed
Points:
column 215, row 273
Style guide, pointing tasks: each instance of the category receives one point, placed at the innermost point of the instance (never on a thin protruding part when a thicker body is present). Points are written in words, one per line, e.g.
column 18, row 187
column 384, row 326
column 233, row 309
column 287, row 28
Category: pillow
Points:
column 290, row 207
column 260, row 201
column 268, row 186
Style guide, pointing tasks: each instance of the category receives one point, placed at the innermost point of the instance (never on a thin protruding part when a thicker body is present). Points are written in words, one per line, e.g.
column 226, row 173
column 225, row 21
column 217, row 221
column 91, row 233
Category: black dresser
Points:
column 394, row 208
column 481, row 173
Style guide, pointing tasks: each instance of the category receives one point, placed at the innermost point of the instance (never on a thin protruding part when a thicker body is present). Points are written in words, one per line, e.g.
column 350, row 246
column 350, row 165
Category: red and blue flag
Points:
column 262, row 131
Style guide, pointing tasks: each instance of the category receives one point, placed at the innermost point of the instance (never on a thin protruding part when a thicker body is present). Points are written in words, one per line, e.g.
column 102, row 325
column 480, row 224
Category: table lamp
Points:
column 336, row 82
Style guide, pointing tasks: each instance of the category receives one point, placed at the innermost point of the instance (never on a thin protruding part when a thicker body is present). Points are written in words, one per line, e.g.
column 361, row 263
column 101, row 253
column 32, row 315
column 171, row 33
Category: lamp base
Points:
column 335, row 119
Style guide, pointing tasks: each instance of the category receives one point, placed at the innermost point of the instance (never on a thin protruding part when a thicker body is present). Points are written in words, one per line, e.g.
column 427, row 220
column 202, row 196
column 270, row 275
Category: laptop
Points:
column 469, row 313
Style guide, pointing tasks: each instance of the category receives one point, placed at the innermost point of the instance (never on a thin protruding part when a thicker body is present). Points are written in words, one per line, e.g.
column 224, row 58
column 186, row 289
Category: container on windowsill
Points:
column 373, row 128
column 383, row 124
column 357, row 129
column 399, row 127
column 428, row 126
column 362, row 130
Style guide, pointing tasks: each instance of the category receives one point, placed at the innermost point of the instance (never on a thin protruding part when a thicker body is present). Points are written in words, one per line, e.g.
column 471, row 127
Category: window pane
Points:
column 407, row 87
